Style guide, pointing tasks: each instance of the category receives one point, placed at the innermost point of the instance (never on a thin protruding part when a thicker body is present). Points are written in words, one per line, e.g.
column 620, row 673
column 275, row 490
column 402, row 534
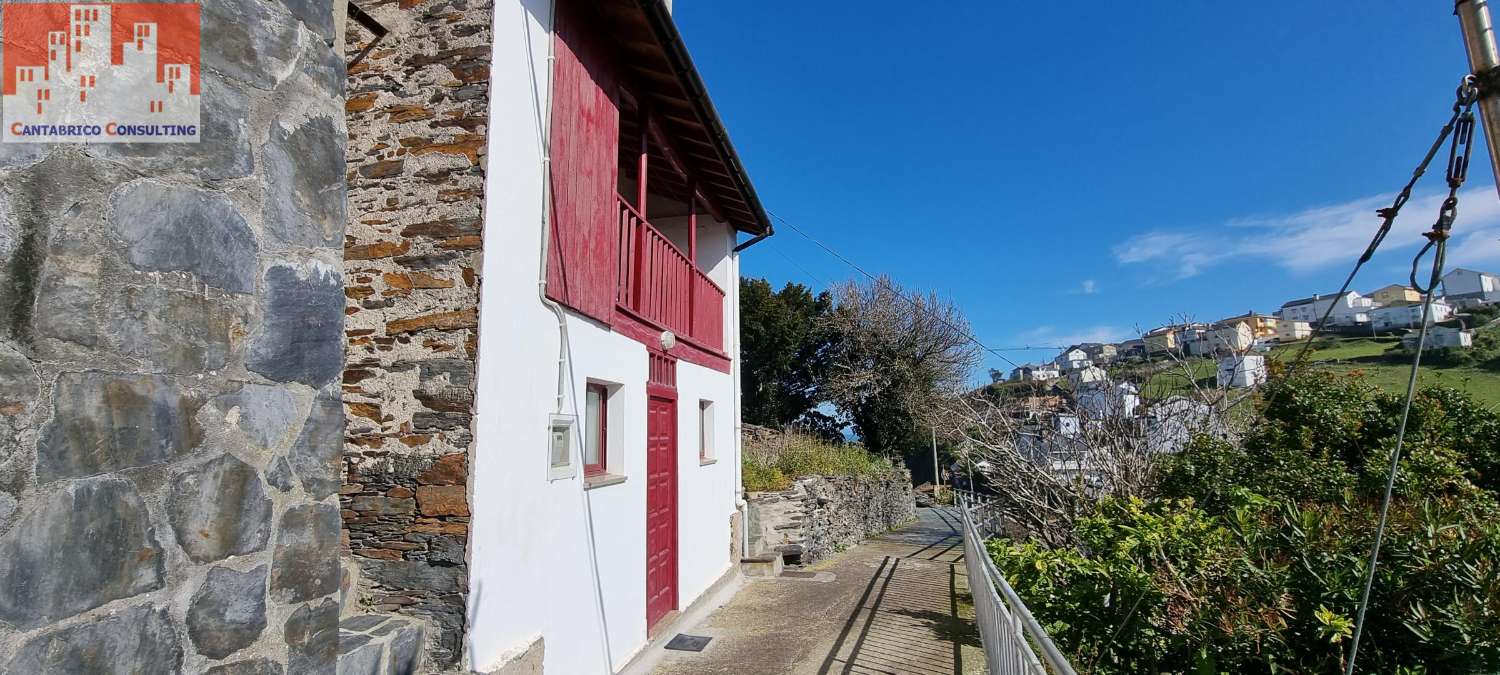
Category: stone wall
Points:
column 821, row 515
column 417, row 113
column 170, row 337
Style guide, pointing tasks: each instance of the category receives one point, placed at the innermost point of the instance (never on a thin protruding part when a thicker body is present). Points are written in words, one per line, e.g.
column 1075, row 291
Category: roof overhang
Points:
column 661, row 74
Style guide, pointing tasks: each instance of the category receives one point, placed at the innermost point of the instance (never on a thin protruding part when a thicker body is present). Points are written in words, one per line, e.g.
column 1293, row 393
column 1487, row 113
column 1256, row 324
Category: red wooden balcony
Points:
column 660, row 284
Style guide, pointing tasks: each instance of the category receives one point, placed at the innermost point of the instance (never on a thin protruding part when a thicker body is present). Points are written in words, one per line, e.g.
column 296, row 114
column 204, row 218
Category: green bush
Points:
column 1251, row 557
column 775, row 463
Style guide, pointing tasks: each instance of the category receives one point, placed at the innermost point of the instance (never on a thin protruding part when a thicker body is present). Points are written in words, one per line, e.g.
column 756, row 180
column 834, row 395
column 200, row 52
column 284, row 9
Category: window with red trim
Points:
column 595, row 429
column 705, row 430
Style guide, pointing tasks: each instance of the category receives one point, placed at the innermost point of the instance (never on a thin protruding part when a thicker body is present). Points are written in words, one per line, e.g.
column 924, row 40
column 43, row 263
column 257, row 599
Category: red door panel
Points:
column 661, row 504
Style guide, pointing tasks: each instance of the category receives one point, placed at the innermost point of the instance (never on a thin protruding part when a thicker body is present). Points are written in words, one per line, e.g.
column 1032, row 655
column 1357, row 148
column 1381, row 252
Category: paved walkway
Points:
column 894, row 604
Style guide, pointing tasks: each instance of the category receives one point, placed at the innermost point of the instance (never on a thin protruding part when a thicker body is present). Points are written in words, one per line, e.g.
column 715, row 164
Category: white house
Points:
column 1440, row 337
column 1087, row 377
column 1292, row 331
column 1031, row 373
column 605, row 479
column 1407, row 316
column 1100, row 352
column 1172, row 423
column 1465, row 287
column 1099, row 403
column 1234, row 337
column 1072, row 359
column 1242, row 371
column 1349, row 309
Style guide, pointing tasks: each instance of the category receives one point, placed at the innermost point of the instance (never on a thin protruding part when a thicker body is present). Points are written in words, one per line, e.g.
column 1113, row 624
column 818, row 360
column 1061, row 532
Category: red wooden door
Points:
column 661, row 503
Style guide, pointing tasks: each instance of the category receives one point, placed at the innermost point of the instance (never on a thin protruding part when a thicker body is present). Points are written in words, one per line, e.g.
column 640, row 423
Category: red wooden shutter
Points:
column 585, row 232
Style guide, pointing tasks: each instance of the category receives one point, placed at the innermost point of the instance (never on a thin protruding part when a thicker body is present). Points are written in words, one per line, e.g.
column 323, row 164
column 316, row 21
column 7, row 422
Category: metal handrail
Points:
column 1006, row 626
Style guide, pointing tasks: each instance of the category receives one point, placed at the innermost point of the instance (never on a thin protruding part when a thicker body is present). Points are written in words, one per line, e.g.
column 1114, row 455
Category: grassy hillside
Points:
column 1381, row 360
column 1384, row 364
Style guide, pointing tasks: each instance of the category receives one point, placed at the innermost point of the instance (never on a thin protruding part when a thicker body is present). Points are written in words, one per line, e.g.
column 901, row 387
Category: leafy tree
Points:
column 783, row 355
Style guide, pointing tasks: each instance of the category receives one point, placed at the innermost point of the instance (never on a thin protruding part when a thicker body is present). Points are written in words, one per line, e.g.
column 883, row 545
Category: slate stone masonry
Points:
column 171, row 334
column 821, row 515
column 417, row 114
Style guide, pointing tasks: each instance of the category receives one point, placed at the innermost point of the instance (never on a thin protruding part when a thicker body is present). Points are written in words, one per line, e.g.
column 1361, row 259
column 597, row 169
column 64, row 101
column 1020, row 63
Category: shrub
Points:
column 773, row 460
column 1251, row 557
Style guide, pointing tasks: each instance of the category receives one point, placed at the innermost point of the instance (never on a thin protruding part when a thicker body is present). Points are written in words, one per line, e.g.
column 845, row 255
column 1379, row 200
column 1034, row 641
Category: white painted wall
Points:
column 547, row 557
column 1464, row 282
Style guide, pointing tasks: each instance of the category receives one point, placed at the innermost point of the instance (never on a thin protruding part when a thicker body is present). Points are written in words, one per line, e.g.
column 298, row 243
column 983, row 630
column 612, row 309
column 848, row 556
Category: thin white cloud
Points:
column 1051, row 336
column 1319, row 237
column 1088, row 287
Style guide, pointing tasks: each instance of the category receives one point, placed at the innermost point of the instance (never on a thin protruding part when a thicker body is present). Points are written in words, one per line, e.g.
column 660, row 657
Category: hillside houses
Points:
column 1388, row 309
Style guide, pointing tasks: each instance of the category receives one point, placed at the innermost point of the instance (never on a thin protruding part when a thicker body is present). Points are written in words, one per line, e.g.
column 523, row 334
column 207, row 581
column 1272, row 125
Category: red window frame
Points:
column 597, row 468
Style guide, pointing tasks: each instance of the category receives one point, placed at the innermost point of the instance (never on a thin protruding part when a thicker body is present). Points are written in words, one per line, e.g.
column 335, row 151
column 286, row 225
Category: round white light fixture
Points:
column 668, row 339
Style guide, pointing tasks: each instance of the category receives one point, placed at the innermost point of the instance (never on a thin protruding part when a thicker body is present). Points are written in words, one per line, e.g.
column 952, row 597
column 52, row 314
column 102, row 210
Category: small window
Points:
column 596, row 429
column 705, row 431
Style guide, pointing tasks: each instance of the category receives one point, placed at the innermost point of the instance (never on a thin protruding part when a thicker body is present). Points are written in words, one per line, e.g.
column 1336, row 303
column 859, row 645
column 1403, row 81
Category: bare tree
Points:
column 894, row 356
column 1046, row 457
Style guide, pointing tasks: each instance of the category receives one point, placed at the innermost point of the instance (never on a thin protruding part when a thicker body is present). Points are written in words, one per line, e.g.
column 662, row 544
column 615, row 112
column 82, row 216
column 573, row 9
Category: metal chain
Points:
column 1463, row 104
column 1459, row 151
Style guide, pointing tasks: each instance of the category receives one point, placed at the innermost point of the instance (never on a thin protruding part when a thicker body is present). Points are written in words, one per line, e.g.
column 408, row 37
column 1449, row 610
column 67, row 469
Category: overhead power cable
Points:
column 880, row 280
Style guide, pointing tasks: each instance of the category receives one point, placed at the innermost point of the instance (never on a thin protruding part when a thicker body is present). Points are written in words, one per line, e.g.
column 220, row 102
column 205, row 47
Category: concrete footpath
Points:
column 897, row 603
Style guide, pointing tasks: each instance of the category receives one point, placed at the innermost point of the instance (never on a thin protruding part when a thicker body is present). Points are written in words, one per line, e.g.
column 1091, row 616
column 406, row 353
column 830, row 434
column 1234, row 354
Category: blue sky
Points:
column 1068, row 172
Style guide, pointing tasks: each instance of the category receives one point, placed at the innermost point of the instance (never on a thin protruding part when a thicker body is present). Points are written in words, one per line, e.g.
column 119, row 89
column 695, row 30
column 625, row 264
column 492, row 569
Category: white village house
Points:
column 1242, row 371
column 1072, row 359
column 1291, row 331
column 1109, row 402
column 1465, row 287
column 1439, row 337
column 606, row 481
column 1409, row 315
column 1349, row 309
column 1086, row 377
column 1030, row 373
column 1232, row 337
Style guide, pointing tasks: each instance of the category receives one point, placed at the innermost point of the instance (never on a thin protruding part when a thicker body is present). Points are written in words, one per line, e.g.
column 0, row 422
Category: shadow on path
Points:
column 895, row 604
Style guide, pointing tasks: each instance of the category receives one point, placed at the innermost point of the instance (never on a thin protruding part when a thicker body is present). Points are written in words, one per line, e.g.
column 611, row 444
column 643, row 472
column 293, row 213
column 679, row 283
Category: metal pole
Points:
column 937, row 471
column 1484, row 57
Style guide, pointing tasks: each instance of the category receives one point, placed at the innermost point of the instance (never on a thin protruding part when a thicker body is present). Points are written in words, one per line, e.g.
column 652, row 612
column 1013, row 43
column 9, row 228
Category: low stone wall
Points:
column 821, row 515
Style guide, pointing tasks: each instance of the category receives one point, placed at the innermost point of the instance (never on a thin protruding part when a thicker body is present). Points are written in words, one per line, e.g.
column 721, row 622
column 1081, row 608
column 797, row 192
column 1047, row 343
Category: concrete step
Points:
column 381, row 644
column 764, row 565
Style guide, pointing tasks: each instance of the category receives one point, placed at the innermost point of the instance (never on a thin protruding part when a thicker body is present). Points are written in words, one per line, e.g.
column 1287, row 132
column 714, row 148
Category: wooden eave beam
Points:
column 666, row 145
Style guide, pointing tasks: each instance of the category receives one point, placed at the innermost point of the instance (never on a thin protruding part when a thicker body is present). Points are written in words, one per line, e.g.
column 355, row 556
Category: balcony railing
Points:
column 659, row 283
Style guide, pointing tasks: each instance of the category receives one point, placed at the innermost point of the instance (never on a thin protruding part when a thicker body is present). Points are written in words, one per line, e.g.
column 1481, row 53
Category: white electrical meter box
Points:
column 560, row 446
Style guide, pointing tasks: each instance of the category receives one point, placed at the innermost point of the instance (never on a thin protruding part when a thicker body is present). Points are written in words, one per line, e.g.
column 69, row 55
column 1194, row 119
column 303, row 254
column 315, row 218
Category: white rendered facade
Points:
column 551, row 557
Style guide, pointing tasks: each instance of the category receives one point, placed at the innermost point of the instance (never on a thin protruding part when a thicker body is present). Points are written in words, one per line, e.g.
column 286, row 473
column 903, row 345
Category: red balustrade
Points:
column 659, row 283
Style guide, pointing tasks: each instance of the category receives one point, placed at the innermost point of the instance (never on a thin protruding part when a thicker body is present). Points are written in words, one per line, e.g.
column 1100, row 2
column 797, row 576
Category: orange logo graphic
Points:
column 100, row 73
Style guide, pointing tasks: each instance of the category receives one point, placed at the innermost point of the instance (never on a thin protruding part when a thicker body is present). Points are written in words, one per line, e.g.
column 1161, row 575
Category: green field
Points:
column 1379, row 360
column 1390, row 369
